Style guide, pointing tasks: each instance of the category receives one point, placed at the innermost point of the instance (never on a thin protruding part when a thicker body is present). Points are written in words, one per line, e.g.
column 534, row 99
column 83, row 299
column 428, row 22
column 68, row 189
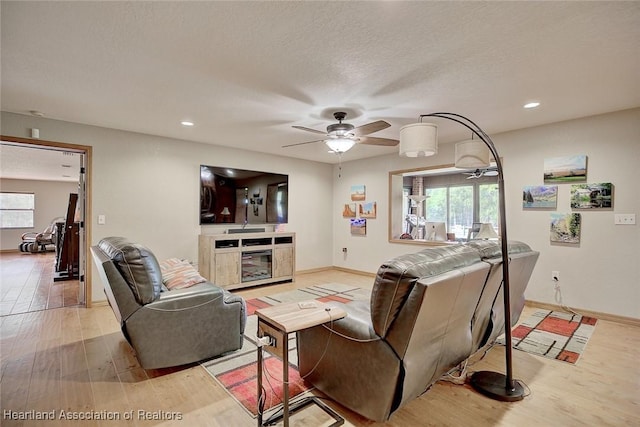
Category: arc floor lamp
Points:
column 421, row 139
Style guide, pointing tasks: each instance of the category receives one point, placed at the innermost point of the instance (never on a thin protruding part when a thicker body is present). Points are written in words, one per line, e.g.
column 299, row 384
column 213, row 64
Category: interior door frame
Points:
column 85, row 150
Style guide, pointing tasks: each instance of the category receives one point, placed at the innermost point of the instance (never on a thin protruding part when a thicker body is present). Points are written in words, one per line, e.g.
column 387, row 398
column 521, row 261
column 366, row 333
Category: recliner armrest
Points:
column 192, row 297
column 196, row 296
column 357, row 323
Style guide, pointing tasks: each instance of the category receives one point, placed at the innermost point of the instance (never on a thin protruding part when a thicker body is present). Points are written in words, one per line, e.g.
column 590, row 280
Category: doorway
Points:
column 49, row 285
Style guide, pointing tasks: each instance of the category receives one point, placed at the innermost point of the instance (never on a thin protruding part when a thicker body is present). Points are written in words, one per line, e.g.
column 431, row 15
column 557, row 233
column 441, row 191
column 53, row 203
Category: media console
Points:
column 240, row 260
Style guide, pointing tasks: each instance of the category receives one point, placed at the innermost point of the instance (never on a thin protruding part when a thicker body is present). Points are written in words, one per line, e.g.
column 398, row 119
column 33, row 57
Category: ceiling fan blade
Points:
column 370, row 128
column 491, row 173
column 372, row 140
column 302, row 143
column 310, row 130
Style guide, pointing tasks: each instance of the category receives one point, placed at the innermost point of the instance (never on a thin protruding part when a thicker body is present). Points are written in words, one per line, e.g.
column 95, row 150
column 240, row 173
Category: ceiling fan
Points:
column 340, row 137
column 479, row 173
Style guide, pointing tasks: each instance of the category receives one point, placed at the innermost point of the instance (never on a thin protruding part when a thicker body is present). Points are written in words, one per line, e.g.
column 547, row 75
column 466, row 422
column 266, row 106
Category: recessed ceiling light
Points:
column 186, row 123
column 531, row 105
column 36, row 113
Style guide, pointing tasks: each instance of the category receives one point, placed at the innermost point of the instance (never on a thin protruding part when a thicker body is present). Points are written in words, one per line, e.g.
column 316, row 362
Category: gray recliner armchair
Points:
column 166, row 327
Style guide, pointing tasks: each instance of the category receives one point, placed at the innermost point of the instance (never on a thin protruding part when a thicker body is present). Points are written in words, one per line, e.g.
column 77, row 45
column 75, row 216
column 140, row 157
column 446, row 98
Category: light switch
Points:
column 102, row 220
column 625, row 219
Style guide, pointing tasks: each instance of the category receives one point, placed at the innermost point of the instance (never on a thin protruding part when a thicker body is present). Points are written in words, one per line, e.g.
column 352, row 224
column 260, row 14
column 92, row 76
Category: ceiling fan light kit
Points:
column 472, row 154
column 340, row 145
column 341, row 137
column 419, row 140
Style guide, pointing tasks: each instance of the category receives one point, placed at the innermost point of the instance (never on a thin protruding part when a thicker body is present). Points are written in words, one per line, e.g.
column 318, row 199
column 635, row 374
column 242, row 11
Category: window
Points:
column 16, row 210
column 459, row 206
column 457, row 198
column 461, row 209
column 488, row 204
column 437, row 204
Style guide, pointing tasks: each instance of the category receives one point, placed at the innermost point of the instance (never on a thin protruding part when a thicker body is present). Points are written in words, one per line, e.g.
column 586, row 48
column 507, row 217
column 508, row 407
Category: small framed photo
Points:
column 358, row 226
column 349, row 210
column 368, row 210
column 358, row 193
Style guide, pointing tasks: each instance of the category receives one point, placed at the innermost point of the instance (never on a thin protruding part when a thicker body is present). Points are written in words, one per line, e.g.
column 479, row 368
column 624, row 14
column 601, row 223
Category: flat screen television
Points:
column 239, row 196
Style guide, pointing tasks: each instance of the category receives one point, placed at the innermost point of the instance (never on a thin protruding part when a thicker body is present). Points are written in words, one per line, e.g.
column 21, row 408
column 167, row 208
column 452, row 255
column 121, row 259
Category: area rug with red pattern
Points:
column 554, row 334
column 237, row 372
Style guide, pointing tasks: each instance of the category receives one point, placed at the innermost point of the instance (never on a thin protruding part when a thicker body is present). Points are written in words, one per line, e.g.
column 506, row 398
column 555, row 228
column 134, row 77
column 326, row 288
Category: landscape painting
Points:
column 540, row 197
column 565, row 228
column 592, row 196
column 358, row 193
column 349, row 210
column 565, row 169
column 368, row 210
column 358, row 226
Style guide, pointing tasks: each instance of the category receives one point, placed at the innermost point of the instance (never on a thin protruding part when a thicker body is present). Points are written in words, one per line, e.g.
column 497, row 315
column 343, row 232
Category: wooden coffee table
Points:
column 278, row 322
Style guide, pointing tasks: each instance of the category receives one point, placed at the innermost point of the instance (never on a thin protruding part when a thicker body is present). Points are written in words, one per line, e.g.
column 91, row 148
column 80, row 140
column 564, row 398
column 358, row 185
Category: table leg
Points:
column 285, row 379
column 259, row 381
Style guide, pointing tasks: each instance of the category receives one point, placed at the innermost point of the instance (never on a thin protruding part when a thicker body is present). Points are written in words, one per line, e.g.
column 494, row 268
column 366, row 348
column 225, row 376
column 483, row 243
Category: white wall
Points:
column 51, row 200
column 148, row 188
column 601, row 274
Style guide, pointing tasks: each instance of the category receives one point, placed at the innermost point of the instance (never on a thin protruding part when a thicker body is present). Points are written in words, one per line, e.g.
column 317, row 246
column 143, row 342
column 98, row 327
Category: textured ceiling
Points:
column 27, row 162
column 245, row 72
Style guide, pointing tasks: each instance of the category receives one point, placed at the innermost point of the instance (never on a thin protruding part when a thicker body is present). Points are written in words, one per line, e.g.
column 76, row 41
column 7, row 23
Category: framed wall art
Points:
column 566, row 169
column 358, row 193
column 565, row 227
column 592, row 196
column 368, row 210
column 349, row 210
column 540, row 197
column 358, row 226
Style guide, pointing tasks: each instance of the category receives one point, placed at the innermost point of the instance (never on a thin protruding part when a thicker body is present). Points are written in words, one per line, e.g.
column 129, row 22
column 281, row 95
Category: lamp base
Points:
column 494, row 385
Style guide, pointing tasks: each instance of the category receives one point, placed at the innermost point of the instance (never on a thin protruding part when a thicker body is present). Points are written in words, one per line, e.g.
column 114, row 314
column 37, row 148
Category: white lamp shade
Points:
column 418, row 198
column 486, row 232
column 472, row 153
column 225, row 211
column 419, row 140
column 340, row 145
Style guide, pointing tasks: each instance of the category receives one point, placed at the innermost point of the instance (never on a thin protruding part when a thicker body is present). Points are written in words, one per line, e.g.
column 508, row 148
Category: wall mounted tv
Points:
column 239, row 196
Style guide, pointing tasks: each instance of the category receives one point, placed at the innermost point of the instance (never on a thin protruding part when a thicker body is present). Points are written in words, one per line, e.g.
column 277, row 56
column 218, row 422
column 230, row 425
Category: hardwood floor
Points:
column 27, row 284
column 76, row 359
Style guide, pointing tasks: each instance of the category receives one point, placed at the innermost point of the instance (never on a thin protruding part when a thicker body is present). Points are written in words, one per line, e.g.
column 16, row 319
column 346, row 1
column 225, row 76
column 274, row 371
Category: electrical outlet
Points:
column 276, row 345
column 555, row 276
column 344, row 250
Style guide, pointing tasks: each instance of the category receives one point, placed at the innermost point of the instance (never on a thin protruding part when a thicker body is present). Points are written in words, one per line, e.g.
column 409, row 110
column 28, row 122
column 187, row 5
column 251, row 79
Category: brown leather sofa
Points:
column 166, row 327
column 429, row 311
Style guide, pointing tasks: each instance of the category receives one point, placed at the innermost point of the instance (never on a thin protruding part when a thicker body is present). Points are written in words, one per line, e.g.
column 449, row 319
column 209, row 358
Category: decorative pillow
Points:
column 179, row 274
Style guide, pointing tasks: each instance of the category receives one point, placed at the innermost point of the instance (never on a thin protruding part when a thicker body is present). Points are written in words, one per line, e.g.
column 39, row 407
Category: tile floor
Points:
column 27, row 285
